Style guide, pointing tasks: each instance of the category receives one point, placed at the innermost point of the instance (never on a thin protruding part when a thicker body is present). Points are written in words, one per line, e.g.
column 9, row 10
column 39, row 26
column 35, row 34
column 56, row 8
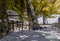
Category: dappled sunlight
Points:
column 23, row 36
column 34, row 40
column 35, row 36
column 50, row 35
column 29, row 20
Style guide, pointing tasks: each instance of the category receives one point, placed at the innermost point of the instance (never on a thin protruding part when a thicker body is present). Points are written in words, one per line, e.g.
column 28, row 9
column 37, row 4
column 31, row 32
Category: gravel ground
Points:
column 30, row 36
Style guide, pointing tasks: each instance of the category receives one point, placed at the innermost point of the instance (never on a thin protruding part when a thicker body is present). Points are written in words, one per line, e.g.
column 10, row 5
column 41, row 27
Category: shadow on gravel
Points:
column 25, row 36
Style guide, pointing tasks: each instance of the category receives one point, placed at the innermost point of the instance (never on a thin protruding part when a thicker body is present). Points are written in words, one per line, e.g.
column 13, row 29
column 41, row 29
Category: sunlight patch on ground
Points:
column 23, row 36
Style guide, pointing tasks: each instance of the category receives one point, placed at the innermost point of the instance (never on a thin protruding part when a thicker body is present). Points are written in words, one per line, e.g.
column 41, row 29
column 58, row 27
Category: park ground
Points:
column 32, row 35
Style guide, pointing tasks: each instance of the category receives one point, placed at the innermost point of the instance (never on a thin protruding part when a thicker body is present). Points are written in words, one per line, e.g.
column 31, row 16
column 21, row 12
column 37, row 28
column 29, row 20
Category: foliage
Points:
column 45, row 8
column 41, row 8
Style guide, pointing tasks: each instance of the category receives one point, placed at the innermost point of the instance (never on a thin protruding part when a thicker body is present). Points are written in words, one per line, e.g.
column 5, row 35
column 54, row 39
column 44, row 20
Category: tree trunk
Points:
column 31, row 13
column 29, row 9
column 44, row 19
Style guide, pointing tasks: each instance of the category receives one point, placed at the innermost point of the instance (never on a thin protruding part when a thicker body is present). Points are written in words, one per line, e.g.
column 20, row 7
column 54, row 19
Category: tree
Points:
column 57, row 6
column 44, row 8
column 31, row 14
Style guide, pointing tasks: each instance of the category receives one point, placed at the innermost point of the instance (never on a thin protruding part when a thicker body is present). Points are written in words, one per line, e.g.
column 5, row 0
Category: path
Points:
column 26, row 36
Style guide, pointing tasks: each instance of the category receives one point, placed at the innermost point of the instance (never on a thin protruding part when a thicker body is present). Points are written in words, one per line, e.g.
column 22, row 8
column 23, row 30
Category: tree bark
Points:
column 31, row 12
column 44, row 19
